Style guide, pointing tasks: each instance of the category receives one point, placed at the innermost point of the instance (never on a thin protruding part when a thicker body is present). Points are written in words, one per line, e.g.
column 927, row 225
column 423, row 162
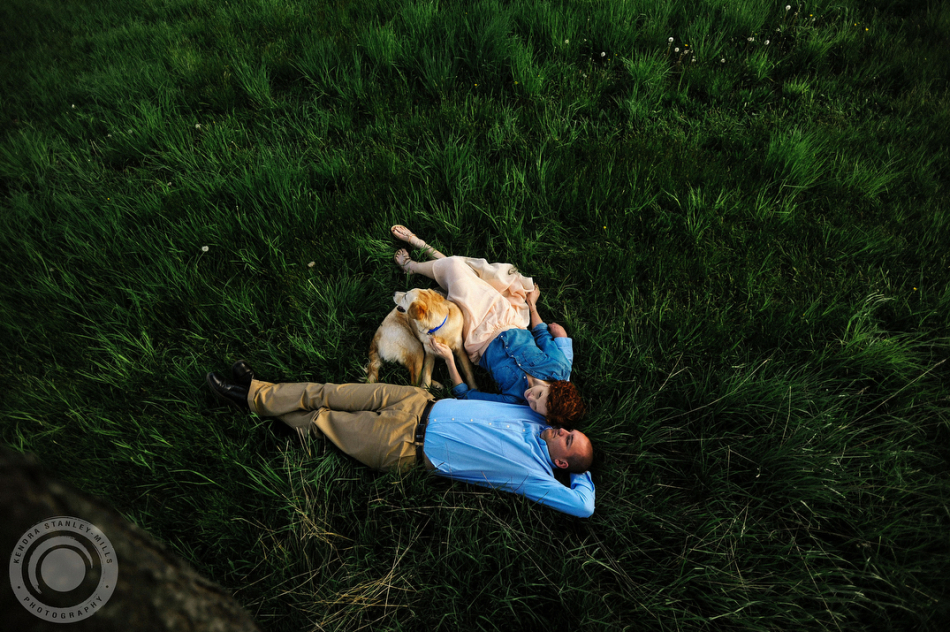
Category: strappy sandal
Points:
column 403, row 260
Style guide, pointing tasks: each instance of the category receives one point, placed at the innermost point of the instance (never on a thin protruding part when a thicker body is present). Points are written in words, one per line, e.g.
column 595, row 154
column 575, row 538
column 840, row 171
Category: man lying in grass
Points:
column 385, row 426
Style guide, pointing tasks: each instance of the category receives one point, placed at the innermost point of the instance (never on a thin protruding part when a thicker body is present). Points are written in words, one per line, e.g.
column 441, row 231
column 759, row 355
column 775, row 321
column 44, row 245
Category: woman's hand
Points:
column 557, row 331
column 442, row 350
column 532, row 298
column 445, row 352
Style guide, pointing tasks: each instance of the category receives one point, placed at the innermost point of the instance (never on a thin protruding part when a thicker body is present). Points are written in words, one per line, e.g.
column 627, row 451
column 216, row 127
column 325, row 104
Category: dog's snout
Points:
column 400, row 309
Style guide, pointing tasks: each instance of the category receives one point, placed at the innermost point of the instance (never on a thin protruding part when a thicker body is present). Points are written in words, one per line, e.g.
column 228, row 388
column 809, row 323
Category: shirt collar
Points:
column 544, row 447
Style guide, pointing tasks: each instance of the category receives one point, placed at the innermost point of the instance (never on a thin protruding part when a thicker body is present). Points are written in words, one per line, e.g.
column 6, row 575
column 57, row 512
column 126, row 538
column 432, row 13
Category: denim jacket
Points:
column 513, row 354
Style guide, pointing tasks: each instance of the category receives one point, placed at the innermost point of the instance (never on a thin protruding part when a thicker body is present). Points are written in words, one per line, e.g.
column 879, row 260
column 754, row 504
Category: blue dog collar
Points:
column 432, row 331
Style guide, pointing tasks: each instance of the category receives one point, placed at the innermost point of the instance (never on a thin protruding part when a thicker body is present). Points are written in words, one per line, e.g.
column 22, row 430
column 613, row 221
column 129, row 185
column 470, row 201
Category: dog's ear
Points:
column 417, row 311
column 397, row 297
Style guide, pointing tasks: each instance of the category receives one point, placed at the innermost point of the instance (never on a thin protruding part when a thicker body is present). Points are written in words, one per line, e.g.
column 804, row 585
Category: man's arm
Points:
column 578, row 500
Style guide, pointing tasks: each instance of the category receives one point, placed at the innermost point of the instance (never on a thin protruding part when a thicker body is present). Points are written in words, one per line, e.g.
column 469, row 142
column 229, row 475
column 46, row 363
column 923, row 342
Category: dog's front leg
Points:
column 466, row 367
column 427, row 365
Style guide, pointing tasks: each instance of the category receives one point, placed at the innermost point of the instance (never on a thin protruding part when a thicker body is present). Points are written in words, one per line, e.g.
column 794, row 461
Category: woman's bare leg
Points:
column 401, row 232
column 409, row 266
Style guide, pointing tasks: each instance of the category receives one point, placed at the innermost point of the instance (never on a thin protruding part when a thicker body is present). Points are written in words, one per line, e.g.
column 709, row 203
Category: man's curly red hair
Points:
column 565, row 406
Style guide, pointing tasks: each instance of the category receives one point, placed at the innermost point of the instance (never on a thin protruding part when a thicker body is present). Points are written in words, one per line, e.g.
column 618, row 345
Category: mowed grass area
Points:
column 745, row 230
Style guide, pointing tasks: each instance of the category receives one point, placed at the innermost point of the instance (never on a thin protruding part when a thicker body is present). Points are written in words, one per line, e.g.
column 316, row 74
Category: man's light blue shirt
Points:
column 499, row 445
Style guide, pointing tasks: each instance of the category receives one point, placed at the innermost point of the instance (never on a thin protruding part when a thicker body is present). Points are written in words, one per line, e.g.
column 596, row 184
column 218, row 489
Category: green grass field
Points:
column 744, row 229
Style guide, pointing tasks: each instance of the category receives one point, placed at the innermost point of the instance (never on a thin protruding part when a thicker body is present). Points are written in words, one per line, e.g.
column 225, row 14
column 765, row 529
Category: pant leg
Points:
column 373, row 423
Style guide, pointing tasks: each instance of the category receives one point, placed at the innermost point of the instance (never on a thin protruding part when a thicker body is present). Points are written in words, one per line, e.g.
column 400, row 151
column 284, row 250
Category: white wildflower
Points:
column 751, row 39
column 197, row 125
column 788, row 7
column 74, row 106
column 567, row 41
column 766, row 42
column 311, row 264
column 722, row 61
column 603, row 54
column 670, row 40
column 204, row 249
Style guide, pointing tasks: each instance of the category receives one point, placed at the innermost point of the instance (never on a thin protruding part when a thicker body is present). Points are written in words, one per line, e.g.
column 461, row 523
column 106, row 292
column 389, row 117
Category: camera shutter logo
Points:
column 63, row 569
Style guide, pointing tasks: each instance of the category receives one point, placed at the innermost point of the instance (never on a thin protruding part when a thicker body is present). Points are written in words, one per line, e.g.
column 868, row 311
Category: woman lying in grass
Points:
column 530, row 368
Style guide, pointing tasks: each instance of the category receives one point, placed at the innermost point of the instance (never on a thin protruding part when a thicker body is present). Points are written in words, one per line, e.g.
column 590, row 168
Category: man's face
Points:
column 563, row 444
column 537, row 397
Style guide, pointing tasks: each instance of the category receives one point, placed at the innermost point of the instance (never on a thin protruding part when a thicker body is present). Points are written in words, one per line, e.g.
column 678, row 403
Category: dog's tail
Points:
column 375, row 362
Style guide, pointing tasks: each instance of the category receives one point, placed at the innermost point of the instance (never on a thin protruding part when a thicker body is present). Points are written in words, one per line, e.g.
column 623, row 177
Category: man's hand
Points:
column 557, row 331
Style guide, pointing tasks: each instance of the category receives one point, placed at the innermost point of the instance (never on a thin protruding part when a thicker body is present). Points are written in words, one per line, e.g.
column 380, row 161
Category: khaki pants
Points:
column 373, row 423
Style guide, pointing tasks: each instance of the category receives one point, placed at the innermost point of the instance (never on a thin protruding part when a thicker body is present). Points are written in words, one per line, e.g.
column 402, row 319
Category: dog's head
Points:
column 416, row 303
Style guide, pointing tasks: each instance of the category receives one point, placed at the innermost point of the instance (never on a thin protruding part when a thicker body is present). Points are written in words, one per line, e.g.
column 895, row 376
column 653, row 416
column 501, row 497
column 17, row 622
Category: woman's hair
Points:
column 565, row 407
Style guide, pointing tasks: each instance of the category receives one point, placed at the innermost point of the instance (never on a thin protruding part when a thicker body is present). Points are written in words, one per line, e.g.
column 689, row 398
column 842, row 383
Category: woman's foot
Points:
column 404, row 234
column 403, row 260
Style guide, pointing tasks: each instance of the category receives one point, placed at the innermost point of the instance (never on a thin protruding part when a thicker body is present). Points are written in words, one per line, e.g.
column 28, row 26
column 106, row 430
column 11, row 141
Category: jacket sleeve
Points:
column 566, row 345
column 462, row 391
column 578, row 500
column 560, row 352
